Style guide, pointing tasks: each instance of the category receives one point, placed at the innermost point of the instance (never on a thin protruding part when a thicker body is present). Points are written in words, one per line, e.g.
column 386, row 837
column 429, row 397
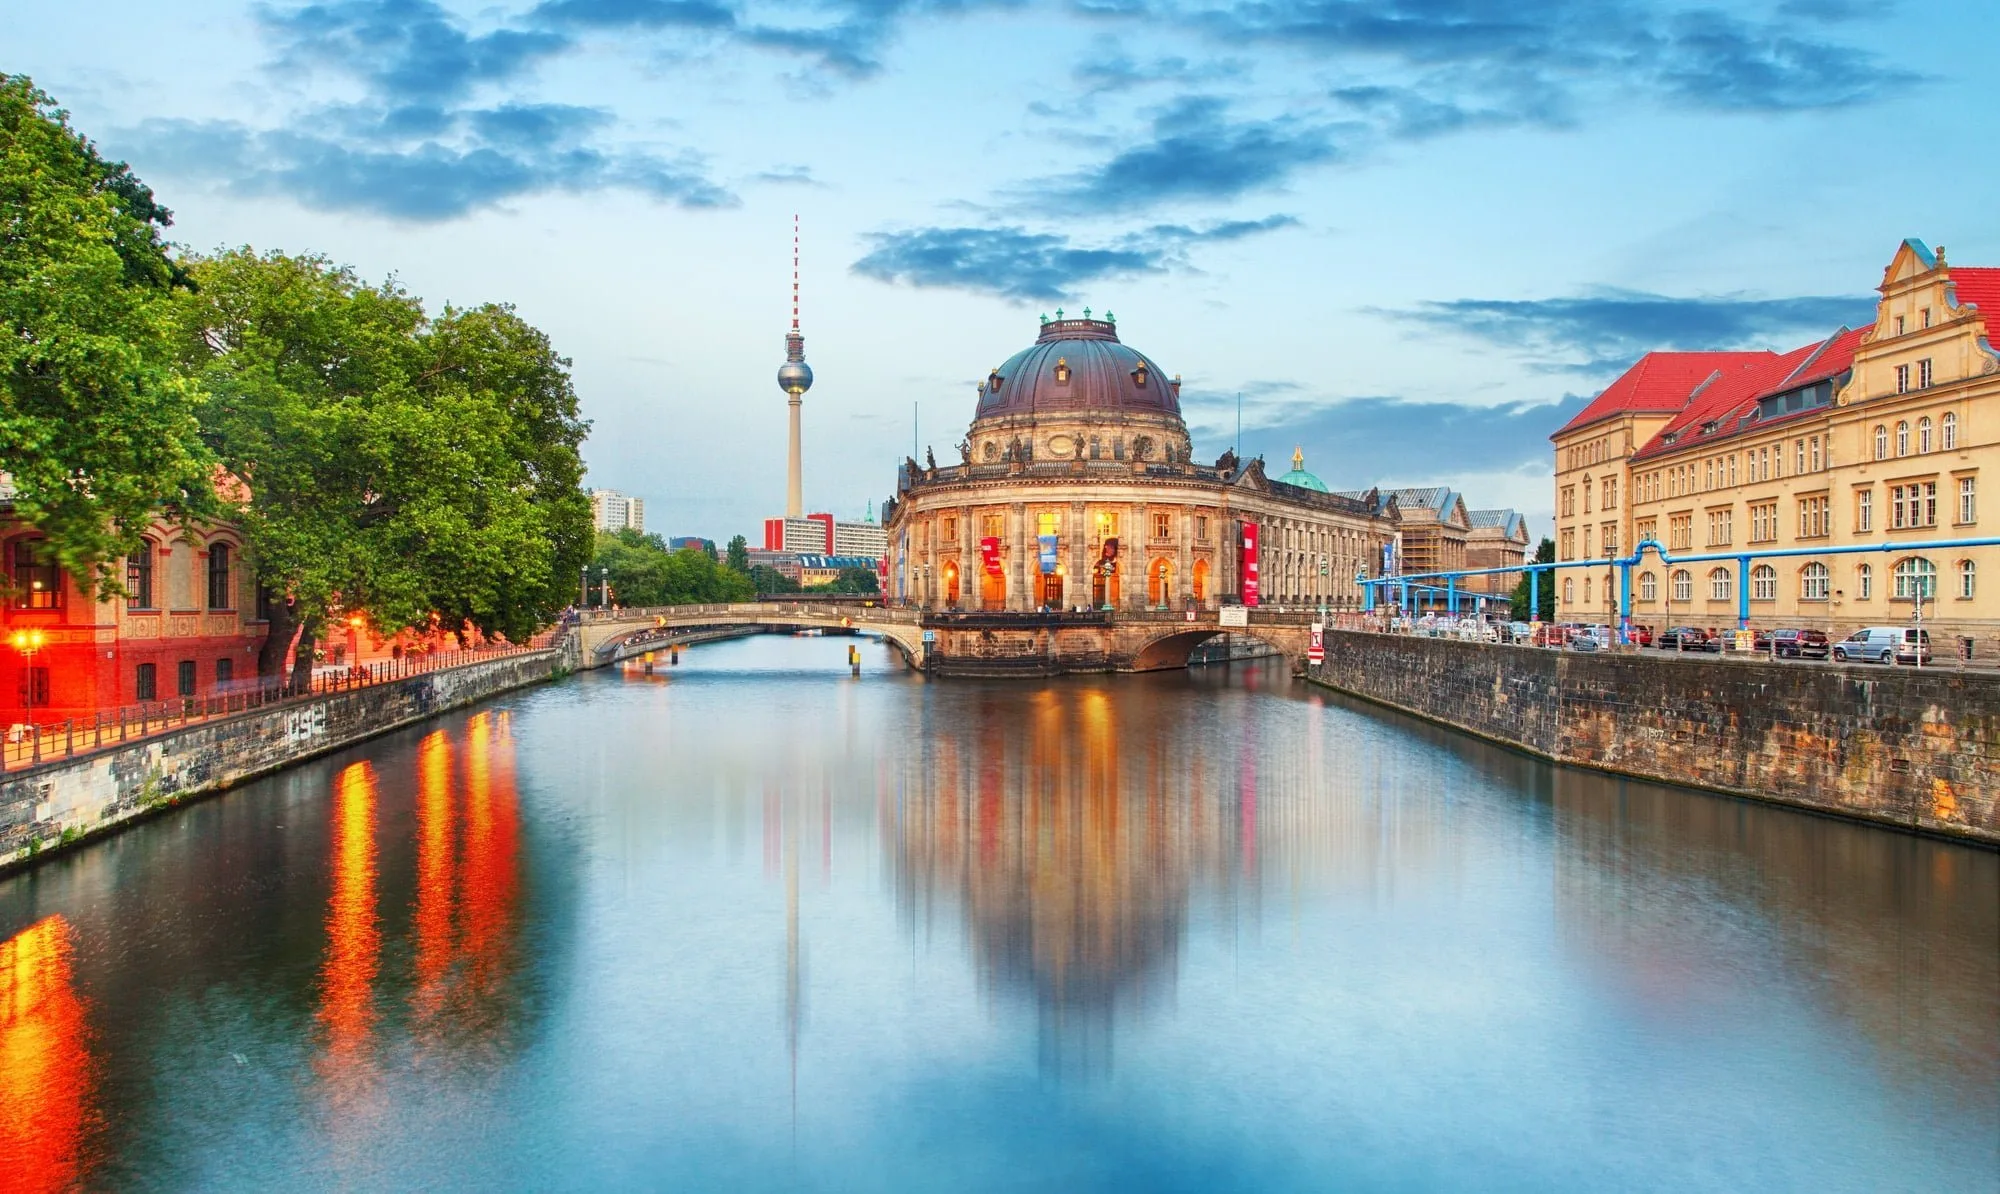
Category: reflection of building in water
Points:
column 1674, row 896
column 45, row 1063
column 353, row 928
column 1071, row 846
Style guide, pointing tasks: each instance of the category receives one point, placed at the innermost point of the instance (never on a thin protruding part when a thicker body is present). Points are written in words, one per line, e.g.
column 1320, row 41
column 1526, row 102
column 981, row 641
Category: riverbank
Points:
column 1913, row 749
column 70, row 801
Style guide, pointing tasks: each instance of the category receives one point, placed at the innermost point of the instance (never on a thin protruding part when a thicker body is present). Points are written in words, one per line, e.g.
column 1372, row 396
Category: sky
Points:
column 1412, row 236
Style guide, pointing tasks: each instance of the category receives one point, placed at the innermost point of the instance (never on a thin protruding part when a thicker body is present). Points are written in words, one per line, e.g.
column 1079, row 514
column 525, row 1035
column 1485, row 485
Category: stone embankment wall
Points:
column 64, row 802
column 1914, row 748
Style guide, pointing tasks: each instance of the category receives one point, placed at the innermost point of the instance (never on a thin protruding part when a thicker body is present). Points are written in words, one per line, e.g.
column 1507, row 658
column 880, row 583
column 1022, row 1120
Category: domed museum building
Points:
column 1077, row 488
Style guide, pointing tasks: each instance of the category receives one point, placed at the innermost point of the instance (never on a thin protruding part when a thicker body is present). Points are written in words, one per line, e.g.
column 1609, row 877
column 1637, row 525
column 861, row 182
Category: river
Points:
column 758, row 924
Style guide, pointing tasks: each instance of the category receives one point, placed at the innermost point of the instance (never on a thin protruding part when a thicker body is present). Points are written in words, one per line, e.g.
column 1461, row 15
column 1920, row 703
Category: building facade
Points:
column 614, row 511
column 190, row 627
column 1497, row 539
column 1870, row 438
column 1077, row 488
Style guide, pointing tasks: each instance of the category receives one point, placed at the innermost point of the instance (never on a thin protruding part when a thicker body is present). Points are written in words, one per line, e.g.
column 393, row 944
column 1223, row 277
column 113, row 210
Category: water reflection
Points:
column 45, row 1062
column 353, row 932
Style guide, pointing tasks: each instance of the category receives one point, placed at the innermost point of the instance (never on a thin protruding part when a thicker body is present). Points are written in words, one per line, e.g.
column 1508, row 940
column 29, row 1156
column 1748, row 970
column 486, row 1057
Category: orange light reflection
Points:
column 353, row 931
column 436, row 871
column 45, row 1063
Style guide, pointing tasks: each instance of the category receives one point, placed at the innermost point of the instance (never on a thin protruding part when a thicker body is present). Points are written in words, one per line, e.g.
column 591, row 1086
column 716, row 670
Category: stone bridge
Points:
column 995, row 643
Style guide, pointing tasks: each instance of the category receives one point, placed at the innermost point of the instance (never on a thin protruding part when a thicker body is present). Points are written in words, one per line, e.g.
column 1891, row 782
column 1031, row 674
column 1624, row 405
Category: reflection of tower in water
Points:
column 1071, row 846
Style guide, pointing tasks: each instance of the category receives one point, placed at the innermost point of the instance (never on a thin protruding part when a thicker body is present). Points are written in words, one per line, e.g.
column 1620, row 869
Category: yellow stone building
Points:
column 1873, row 437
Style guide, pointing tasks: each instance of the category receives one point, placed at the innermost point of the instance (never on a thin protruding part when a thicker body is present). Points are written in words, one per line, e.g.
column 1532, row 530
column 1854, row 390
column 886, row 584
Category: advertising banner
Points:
column 1248, row 564
column 1110, row 556
column 989, row 554
column 1048, row 557
column 1391, row 551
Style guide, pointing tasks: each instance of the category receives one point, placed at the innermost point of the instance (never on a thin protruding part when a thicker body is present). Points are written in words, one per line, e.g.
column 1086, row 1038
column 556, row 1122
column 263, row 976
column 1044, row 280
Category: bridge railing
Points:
column 814, row 611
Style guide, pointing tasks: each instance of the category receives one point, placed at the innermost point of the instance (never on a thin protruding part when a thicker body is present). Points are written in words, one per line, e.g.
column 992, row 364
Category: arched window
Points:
column 1881, row 442
column 1902, row 439
column 139, row 576
column 1586, row 590
column 219, row 595
column 1683, row 585
column 1924, row 434
column 1948, row 431
column 1763, row 583
column 1586, row 493
column 1814, row 580
column 1864, row 582
column 1915, row 577
column 1718, row 584
column 1649, row 586
column 1967, row 579
column 1569, row 590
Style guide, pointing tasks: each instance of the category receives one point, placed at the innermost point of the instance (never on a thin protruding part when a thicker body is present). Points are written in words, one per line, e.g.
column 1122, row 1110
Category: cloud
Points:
column 1194, row 151
column 632, row 14
column 501, row 154
column 406, row 49
column 1610, row 328
column 1391, row 439
column 1719, row 62
column 1017, row 264
column 1109, row 69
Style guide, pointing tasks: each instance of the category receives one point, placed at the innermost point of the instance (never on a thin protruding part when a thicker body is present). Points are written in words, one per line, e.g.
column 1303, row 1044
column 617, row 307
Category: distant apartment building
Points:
column 694, row 542
column 822, row 534
column 1498, row 539
column 614, row 511
column 1869, row 438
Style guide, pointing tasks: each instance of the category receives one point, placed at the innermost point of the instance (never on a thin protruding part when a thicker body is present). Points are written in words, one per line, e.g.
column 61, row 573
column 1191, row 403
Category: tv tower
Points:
column 795, row 377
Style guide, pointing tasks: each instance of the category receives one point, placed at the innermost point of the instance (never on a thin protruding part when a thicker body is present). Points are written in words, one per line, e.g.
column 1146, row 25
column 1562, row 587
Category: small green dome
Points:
column 1300, row 477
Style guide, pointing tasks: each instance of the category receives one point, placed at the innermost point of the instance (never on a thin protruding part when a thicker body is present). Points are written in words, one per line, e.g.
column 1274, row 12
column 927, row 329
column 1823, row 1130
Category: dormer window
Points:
column 1139, row 375
column 1062, row 371
column 1899, row 325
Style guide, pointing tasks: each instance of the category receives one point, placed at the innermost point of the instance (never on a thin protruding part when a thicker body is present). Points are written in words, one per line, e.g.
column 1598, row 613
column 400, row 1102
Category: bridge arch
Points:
column 609, row 640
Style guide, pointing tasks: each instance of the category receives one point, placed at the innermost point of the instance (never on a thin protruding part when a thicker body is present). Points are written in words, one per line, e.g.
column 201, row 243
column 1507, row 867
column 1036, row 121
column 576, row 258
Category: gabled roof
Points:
column 1660, row 383
column 1980, row 287
column 1720, row 409
column 1435, row 497
column 1507, row 522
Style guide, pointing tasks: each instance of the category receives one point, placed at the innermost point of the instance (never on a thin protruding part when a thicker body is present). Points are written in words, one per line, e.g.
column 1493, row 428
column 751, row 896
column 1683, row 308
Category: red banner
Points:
column 1248, row 569
column 989, row 554
column 1109, row 558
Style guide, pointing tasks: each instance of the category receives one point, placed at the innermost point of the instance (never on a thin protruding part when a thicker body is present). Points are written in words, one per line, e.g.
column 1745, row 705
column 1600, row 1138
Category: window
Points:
column 37, row 576
column 1814, row 580
column 1812, row 518
column 1864, row 582
column 1732, row 468
column 1201, row 528
column 1569, row 545
column 1948, row 431
column 1718, row 584
column 1902, row 439
column 1763, row 522
column 1569, row 501
column 32, row 688
column 1966, row 579
column 1815, row 453
column 184, row 677
column 225, row 670
column 1649, row 529
column 218, row 577
column 1923, row 435
column 1107, row 525
column 1913, row 505
column 1683, row 585
column 1926, row 314
column 139, row 576
column 951, row 528
column 1569, row 590
column 1882, row 441
column 991, row 526
column 1649, row 586
column 1586, row 495
column 1968, row 501
column 1586, row 543
column 1610, row 493
column 1800, row 457
column 1915, row 577
column 1924, row 374
column 1763, row 583
column 1902, row 379
column 1680, row 532
column 1586, row 590
column 1163, row 526
column 1864, row 510
column 1609, row 538
column 1899, row 325
column 1719, row 529
column 146, row 685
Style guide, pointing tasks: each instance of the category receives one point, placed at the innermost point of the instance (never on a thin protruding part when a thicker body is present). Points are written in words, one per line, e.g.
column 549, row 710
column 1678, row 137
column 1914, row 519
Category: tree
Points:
column 421, row 474
column 850, row 580
column 643, row 572
column 739, row 555
column 766, row 579
column 1544, row 554
column 97, row 432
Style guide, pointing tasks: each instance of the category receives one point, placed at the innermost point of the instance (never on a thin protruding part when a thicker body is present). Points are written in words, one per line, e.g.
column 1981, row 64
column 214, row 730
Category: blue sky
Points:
column 1413, row 235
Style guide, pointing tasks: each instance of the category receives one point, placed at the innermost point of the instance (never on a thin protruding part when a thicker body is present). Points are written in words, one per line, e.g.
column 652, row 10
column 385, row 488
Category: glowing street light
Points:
column 27, row 642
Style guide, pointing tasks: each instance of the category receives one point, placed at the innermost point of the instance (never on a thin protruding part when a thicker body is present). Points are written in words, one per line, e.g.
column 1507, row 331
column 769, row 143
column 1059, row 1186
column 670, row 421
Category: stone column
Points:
column 1183, row 558
column 1076, row 589
column 1022, row 596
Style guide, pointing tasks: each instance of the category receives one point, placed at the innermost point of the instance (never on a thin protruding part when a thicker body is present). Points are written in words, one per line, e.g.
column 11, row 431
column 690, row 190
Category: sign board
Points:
column 1248, row 562
column 930, row 636
column 1746, row 641
column 1047, row 545
column 1316, row 651
column 1235, row 615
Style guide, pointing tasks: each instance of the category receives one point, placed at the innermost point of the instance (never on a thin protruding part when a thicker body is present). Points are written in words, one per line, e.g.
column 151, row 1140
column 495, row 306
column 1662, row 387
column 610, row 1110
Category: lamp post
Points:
column 583, row 601
column 603, row 585
column 27, row 642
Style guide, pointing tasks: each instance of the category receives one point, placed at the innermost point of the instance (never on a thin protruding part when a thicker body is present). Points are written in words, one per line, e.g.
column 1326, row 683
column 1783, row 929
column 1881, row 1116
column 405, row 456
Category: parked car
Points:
column 1587, row 640
column 1642, row 636
column 1885, row 644
column 1520, row 632
column 1798, row 644
column 1688, row 638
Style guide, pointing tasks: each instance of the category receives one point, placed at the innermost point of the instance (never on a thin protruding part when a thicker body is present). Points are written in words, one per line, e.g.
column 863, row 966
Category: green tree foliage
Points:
column 739, row 555
column 422, row 473
column 97, row 432
column 851, row 580
column 1544, row 554
column 766, row 579
column 643, row 572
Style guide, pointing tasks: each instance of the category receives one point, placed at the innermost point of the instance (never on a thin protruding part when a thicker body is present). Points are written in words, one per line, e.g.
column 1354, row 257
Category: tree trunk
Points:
column 277, row 639
column 302, row 665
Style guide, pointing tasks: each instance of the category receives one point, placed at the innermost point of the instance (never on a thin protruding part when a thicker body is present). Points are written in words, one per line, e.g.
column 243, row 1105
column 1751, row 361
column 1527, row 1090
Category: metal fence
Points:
column 30, row 744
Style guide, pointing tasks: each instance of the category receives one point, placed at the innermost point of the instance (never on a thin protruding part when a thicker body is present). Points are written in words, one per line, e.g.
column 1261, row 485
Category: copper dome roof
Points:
column 1077, row 366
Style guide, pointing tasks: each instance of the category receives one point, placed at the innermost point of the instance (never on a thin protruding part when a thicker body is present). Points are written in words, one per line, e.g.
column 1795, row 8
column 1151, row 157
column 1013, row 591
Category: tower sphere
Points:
column 795, row 376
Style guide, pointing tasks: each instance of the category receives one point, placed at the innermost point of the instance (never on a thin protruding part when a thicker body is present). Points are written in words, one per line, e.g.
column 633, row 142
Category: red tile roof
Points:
column 1661, row 383
column 1980, row 286
column 1729, row 399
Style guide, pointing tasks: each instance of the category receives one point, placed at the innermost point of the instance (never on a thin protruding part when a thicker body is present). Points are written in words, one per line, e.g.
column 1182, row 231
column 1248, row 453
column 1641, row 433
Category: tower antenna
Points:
column 795, row 377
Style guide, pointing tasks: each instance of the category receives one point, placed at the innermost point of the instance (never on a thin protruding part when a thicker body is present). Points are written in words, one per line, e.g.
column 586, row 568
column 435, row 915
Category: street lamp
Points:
column 27, row 642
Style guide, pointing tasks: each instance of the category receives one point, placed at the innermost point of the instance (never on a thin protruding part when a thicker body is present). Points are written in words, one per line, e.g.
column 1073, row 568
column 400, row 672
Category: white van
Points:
column 1885, row 644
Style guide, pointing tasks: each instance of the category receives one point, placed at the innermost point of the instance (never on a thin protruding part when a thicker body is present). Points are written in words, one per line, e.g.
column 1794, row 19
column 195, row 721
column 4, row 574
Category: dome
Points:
column 1078, row 366
column 1300, row 477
